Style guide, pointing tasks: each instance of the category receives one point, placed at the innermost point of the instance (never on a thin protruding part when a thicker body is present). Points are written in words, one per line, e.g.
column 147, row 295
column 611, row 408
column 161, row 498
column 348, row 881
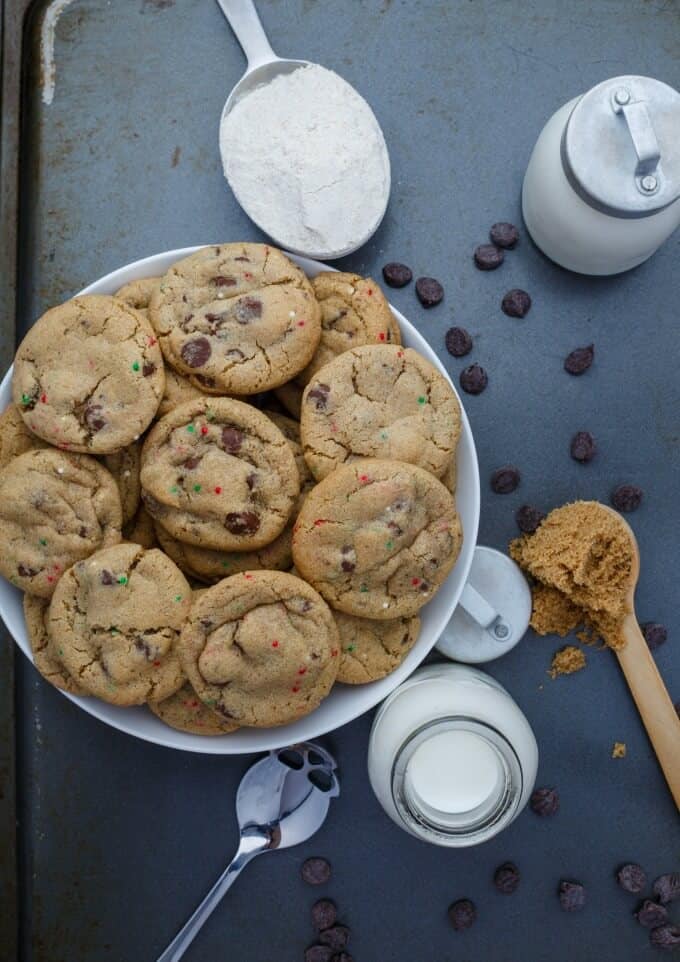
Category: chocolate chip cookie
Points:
column 55, row 508
column 372, row 649
column 116, row 617
column 15, row 437
column 383, row 401
column 219, row 474
column 186, row 712
column 261, row 648
column 239, row 318
column 124, row 466
column 377, row 538
column 89, row 375
column 138, row 293
column 47, row 662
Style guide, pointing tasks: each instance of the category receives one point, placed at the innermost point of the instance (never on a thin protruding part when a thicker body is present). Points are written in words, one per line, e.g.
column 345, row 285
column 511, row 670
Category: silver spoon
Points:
column 281, row 801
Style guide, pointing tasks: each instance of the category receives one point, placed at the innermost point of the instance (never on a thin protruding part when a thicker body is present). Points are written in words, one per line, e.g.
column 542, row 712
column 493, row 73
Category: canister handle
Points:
column 641, row 131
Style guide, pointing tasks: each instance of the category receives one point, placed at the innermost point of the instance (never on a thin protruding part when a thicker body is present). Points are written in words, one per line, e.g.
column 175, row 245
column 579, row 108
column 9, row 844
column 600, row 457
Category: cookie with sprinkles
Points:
column 47, row 661
column 237, row 318
column 261, row 648
column 185, row 712
column 379, row 401
column 55, row 509
column 372, row 649
column 15, row 437
column 219, row 474
column 116, row 618
column 89, row 375
column 377, row 538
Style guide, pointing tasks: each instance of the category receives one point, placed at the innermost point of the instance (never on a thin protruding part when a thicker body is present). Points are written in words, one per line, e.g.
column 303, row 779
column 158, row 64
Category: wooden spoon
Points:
column 646, row 685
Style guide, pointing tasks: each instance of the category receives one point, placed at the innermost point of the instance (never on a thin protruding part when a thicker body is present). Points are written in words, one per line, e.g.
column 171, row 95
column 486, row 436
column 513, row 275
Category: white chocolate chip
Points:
column 291, row 314
column 60, row 470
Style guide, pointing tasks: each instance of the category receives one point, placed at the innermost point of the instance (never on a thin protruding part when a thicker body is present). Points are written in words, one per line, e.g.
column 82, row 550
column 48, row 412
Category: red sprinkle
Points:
column 248, row 577
column 43, row 398
column 247, row 275
column 369, row 291
column 415, row 581
column 275, row 644
column 320, row 521
column 300, row 323
column 152, row 341
column 302, row 671
column 295, row 688
column 363, row 478
column 50, row 579
column 218, row 490
column 334, row 653
column 381, row 336
column 400, row 353
column 204, row 429
column 157, row 664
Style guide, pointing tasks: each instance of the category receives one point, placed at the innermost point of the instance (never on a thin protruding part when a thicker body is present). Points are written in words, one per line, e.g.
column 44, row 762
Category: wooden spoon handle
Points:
column 653, row 701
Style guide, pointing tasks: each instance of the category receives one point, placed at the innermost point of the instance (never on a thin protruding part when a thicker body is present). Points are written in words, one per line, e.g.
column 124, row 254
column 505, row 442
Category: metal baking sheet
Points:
column 116, row 134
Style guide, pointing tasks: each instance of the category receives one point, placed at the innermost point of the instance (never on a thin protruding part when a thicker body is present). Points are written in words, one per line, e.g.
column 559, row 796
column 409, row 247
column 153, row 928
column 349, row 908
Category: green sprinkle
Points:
column 174, row 489
column 122, row 580
column 363, row 589
column 178, row 597
column 226, row 564
column 421, row 400
column 135, row 366
column 197, row 487
column 43, row 541
column 26, row 399
column 114, row 630
column 389, row 545
column 211, row 701
column 190, row 428
column 350, row 648
column 60, row 652
column 383, row 436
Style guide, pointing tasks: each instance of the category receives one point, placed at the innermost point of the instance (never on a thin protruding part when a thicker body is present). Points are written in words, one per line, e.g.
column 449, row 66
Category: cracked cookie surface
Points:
column 117, row 616
column 237, row 318
column 370, row 649
column 124, row 467
column 377, row 538
column 186, row 712
column 55, row 508
column 15, row 437
column 379, row 401
column 47, row 662
column 261, row 648
column 219, row 474
column 89, row 375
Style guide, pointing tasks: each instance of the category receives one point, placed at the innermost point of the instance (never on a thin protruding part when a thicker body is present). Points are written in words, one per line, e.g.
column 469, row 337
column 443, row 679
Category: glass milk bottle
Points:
column 601, row 192
column 451, row 757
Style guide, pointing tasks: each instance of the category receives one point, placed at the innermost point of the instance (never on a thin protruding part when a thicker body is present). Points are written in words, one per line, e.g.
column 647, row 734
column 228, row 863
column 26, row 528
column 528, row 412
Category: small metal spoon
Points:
column 281, row 801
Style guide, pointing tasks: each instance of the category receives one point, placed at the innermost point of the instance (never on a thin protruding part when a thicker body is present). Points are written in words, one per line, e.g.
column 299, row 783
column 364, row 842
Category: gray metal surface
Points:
column 119, row 839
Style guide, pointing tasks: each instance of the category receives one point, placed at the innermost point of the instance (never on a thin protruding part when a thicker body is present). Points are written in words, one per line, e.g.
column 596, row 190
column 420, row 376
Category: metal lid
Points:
column 621, row 146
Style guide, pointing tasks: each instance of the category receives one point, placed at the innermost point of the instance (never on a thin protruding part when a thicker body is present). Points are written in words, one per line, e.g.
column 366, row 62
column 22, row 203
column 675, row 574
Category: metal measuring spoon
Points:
column 263, row 67
column 281, row 801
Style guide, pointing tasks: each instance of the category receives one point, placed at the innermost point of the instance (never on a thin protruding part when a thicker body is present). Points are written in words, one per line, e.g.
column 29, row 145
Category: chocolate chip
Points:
column 191, row 463
column 572, row 896
column 324, row 914
column 651, row 914
column 458, row 341
column 250, row 480
column 631, row 877
column 462, row 914
column 316, row 871
column 232, row 439
column 204, row 379
column 222, row 281
column 247, row 310
column 504, row 234
column 319, row 394
column 667, row 887
column 627, row 497
column 242, row 522
column 26, row 572
column 579, row 360
column 655, row 634
column 488, row 257
column 516, row 303
column 106, row 577
column 583, row 447
column 665, row 937
column 505, row 480
column 93, row 417
column 396, row 274
column 196, row 352
column 506, row 878
column 429, row 291
column 148, row 369
column 336, row 937
column 348, row 566
column 473, row 379
column 318, row 953
column 545, row 801
column 528, row 518
column 82, row 531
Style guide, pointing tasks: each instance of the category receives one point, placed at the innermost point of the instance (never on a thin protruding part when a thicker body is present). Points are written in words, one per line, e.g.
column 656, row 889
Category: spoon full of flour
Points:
column 301, row 149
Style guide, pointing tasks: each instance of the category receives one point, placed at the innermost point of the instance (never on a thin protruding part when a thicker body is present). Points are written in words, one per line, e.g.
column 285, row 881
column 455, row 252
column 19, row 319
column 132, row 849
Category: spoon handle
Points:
column 253, row 841
column 245, row 23
column 653, row 701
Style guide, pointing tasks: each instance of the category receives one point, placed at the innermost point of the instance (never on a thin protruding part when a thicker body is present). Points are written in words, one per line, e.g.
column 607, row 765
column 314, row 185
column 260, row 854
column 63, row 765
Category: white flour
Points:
column 307, row 160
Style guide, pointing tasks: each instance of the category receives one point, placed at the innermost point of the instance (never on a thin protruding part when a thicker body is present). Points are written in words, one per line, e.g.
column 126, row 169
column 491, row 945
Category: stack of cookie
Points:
column 142, row 461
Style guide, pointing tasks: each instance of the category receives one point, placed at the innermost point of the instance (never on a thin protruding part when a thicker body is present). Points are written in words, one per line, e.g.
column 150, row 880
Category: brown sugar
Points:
column 583, row 554
column 566, row 661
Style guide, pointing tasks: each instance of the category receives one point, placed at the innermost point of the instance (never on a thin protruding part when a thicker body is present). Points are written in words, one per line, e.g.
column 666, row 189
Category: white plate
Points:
column 345, row 702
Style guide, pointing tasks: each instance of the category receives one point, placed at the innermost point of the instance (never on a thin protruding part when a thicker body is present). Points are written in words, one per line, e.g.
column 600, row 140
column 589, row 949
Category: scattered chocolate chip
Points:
column 505, row 480
column 247, row 310
column 651, row 914
column 191, row 463
column 579, row 360
column 319, row 953
column 106, row 577
column 627, row 497
column 324, row 914
column 232, row 439
column 667, row 887
column 545, row 801
column 337, row 937
column 319, row 394
column 26, row 572
column 488, row 257
column 504, row 234
column 473, row 379
column 316, row 871
column 506, row 878
column 429, row 291
column 458, row 341
column 462, row 914
column 93, row 416
column 665, row 937
column 528, row 518
column 631, row 877
column 655, row 634
column 396, row 274
column 516, row 303
column 242, row 522
column 148, row 369
column 583, row 447
column 572, row 896
column 196, row 352
column 222, row 281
